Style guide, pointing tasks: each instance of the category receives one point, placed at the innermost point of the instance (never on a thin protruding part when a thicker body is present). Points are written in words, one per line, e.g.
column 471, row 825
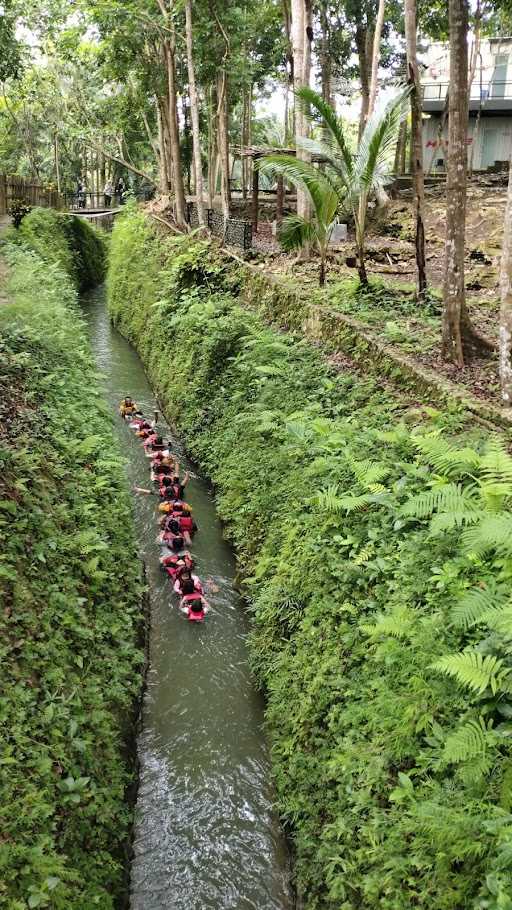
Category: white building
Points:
column 490, row 106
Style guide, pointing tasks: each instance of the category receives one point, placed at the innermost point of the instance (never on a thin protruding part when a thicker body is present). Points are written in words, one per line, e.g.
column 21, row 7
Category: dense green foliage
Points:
column 375, row 539
column 66, row 241
column 70, row 663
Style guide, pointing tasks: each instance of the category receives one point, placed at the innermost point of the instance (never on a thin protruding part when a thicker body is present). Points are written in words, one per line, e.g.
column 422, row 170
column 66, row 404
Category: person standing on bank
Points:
column 108, row 192
column 81, row 193
column 120, row 190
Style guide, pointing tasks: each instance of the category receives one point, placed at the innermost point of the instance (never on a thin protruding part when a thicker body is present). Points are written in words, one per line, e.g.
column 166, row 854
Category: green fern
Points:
column 500, row 620
column 328, row 499
column 445, row 458
column 397, row 624
column 474, row 671
column 399, row 436
column 446, row 521
column 369, row 473
column 456, row 501
column 364, row 555
column 477, row 606
column 493, row 532
column 496, row 464
column 469, row 741
column 352, row 503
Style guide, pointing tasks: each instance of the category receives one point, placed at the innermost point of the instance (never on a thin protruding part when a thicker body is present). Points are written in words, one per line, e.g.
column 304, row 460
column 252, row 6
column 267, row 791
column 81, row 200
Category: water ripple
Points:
column 206, row 835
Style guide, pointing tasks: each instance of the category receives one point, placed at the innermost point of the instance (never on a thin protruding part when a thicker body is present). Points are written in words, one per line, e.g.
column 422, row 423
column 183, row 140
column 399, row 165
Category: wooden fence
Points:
column 32, row 193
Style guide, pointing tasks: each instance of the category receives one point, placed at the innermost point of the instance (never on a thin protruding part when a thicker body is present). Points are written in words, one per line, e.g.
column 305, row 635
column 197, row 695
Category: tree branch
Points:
column 119, row 160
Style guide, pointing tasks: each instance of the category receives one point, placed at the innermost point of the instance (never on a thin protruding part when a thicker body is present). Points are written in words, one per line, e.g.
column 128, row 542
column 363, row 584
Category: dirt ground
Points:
column 391, row 240
column 394, row 317
column 390, row 311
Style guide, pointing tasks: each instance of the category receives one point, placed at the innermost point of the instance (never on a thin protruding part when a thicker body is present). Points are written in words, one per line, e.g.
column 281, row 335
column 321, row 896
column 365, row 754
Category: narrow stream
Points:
column 206, row 834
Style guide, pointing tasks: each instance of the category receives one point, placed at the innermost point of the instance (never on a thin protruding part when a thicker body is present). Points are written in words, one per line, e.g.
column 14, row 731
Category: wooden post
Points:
column 255, row 200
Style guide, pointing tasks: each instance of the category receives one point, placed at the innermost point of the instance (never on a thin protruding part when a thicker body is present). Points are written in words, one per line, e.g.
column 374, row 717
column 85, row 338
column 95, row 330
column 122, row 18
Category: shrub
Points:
column 67, row 241
column 18, row 210
column 70, row 668
column 375, row 542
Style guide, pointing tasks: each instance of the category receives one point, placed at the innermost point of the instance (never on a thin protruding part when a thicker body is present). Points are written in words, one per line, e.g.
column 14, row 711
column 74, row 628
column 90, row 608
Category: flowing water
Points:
column 206, row 834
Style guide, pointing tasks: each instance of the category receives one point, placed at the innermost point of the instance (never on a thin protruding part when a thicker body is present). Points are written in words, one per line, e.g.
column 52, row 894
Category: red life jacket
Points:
column 196, row 617
column 186, row 523
column 169, row 564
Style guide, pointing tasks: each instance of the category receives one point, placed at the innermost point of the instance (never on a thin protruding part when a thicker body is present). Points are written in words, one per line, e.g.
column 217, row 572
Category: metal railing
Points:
column 235, row 231
column 79, row 201
column 494, row 90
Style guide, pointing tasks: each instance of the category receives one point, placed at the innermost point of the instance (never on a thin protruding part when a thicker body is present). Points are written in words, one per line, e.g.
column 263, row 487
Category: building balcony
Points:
column 492, row 97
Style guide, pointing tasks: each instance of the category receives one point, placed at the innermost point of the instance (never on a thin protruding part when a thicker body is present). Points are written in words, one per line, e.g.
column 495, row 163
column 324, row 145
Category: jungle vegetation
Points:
column 374, row 537
column 166, row 94
column 70, row 626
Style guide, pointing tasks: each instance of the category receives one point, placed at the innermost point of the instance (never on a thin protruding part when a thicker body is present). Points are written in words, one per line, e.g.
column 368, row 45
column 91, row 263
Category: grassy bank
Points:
column 69, row 588
column 65, row 241
column 374, row 535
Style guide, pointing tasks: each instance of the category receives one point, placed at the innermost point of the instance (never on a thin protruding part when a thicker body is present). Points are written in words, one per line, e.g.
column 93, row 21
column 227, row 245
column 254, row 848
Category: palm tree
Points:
column 347, row 178
column 323, row 190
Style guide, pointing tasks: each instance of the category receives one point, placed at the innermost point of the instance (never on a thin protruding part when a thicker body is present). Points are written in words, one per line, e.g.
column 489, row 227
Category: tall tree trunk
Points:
column 151, row 139
column 244, row 143
column 279, row 200
column 212, row 149
column 286, row 114
column 324, row 53
column 400, row 148
column 287, row 18
column 187, row 145
column 416, row 142
column 164, row 145
column 103, row 172
column 216, row 172
column 475, row 47
column 57, row 160
column 223, row 140
column 364, row 41
column 250, row 162
column 475, row 56
column 301, row 38
column 162, row 158
column 194, row 113
column 506, row 303
column 453, row 291
column 403, row 151
column 374, row 79
column 174, row 136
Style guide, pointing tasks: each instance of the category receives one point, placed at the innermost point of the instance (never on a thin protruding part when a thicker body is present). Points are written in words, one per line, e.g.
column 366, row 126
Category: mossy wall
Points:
column 70, row 621
column 66, row 241
column 373, row 534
